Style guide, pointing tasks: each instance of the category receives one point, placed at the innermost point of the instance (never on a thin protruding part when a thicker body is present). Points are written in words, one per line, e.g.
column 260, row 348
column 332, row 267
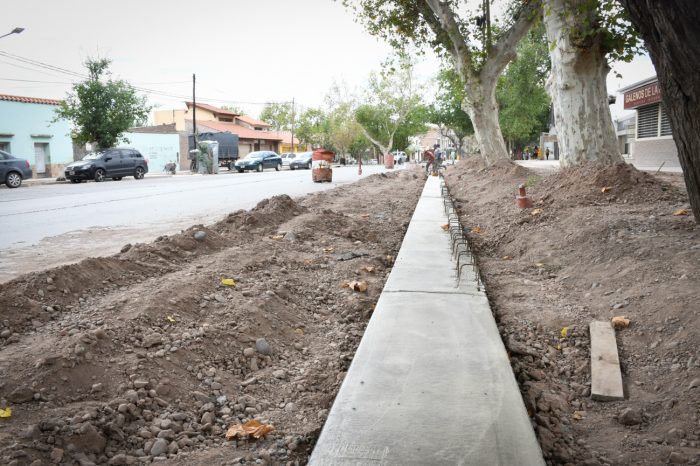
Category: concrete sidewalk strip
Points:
column 430, row 383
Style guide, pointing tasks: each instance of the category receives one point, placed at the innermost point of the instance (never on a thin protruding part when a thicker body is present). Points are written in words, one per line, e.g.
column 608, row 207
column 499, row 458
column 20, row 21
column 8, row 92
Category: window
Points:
column 5, row 146
column 648, row 122
column 665, row 123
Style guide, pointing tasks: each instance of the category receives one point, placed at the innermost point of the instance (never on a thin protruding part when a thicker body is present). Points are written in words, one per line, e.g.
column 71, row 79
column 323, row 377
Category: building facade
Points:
column 653, row 143
column 27, row 132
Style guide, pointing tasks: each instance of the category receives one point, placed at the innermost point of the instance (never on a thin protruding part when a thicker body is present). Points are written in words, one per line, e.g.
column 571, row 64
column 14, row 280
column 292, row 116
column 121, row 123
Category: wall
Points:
column 652, row 152
column 157, row 148
column 165, row 117
column 22, row 120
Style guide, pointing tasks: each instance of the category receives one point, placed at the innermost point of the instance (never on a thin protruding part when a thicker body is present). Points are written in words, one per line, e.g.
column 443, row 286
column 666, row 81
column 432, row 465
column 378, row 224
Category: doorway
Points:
column 41, row 159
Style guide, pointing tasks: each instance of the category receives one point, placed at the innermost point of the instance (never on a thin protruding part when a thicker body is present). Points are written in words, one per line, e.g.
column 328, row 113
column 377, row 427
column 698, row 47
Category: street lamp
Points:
column 14, row 31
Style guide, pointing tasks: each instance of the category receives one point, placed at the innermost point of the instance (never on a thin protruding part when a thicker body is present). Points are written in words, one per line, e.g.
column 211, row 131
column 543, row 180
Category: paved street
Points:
column 49, row 225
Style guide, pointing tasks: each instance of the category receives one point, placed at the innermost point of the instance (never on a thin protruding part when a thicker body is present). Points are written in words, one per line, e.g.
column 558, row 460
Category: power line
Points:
column 137, row 88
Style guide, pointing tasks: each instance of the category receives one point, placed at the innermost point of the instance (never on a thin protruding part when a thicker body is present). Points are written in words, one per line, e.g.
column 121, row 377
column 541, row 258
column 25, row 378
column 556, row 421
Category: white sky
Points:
column 241, row 50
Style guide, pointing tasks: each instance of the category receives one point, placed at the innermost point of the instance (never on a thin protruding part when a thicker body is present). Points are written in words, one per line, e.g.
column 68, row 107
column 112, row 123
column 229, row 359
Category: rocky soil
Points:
column 595, row 245
column 147, row 356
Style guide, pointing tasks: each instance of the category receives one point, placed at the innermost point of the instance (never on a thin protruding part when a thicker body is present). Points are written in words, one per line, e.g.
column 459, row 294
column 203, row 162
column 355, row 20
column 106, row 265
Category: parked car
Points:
column 109, row 163
column 259, row 161
column 13, row 170
column 302, row 160
column 287, row 158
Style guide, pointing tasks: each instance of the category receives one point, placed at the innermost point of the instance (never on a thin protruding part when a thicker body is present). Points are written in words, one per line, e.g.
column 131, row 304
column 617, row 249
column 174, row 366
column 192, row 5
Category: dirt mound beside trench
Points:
column 581, row 254
column 147, row 355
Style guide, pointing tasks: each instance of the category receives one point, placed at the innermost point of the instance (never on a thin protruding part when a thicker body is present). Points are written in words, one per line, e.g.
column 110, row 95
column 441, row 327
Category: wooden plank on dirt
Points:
column 606, row 377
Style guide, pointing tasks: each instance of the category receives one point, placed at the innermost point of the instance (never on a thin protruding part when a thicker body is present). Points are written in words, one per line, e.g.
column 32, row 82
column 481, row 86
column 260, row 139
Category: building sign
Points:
column 649, row 94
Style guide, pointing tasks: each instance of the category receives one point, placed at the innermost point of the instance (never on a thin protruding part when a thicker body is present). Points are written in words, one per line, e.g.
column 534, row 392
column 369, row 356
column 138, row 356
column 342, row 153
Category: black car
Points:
column 302, row 160
column 259, row 161
column 13, row 170
column 109, row 163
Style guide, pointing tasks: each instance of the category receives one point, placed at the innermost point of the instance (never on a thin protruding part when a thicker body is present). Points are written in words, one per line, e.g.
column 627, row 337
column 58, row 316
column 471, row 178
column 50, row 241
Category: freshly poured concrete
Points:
column 430, row 383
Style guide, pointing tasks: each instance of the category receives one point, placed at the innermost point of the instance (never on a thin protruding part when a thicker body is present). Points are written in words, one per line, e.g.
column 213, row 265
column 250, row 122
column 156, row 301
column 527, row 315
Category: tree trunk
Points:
column 577, row 87
column 482, row 108
column 672, row 36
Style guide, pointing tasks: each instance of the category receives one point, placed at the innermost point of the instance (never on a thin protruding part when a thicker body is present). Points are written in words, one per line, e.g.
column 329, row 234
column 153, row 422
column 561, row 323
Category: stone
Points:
column 21, row 394
column 290, row 407
column 200, row 235
column 152, row 340
column 207, row 418
column 630, row 417
column 263, row 347
column 677, row 458
column 140, row 383
column 56, row 455
column 694, row 383
column 279, row 374
column 118, row 460
column 249, row 352
column 96, row 388
column 125, row 248
column 159, row 447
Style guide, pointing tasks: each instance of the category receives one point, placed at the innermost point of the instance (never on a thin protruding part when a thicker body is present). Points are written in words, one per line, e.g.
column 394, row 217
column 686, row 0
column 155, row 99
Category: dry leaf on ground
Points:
column 476, row 230
column 7, row 412
column 228, row 282
column 327, row 249
column 252, row 427
column 605, row 189
column 681, row 212
column 277, row 237
column 620, row 322
column 360, row 285
column 536, row 211
column 506, row 258
column 564, row 331
column 368, row 269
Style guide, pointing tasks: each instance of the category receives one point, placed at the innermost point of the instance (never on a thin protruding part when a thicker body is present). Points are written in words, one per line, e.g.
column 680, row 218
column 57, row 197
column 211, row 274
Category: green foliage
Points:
column 415, row 123
column 521, row 94
column 604, row 23
column 314, row 128
column 101, row 110
column 233, row 109
column 447, row 110
column 279, row 115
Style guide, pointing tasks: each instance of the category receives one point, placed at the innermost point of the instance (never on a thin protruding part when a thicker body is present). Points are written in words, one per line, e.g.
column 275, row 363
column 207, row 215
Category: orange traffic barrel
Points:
column 322, row 165
column 389, row 160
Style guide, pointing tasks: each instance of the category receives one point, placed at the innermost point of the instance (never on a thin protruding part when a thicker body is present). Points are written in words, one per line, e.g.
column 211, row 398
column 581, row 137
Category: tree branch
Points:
column 504, row 50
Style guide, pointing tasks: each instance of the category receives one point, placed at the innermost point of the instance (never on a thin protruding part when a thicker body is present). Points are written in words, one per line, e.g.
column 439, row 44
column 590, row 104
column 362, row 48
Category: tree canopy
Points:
column 278, row 114
column 102, row 109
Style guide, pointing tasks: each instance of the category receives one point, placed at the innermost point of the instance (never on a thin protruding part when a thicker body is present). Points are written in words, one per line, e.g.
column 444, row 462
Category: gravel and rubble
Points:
column 148, row 356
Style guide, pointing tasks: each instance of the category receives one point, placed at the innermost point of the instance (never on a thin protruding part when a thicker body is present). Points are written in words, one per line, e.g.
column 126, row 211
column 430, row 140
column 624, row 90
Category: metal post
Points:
column 194, row 112
column 293, row 149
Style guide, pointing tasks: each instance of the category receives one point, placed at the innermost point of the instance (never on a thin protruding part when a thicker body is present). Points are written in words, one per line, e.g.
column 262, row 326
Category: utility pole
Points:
column 194, row 111
column 293, row 150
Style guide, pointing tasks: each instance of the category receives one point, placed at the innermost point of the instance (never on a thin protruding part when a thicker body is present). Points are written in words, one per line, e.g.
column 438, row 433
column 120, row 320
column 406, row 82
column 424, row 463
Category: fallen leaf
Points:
column 506, row 258
column 365, row 215
column 539, row 264
column 620, row 322
column 276, row 237
column 605, row 189
column 345, row 285
column 228, row 282
column 681, row 212
column 7, row 412
column 368, row 269
column 170, row 319
column 360, row 285
column 308, row 261
column 536, row 211
column 299, row 331
column 327, row 249
column 578, row 415
column 445, row 226
column 252, row 427
column 476, row 230
column 564, row 331
column 558, row 347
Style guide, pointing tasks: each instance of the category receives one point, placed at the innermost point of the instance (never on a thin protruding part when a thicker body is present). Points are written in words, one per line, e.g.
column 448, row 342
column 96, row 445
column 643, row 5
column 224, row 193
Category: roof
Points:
column 286, row 137
column 242, row 132
column 211, row 108
column 252, row 121
column 638, row 84
column 166, row 129
column 29, row 100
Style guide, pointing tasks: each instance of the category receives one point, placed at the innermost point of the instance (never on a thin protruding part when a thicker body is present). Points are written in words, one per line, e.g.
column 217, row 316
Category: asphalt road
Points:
column 49, row 225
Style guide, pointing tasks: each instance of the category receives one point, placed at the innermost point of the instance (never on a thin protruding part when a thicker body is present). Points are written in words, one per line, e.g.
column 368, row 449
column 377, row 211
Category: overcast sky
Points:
column 244, row 52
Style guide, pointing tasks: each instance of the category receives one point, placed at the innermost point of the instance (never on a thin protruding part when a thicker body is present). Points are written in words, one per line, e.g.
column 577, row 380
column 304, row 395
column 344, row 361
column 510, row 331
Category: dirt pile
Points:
column 585, row 253
column 148, row 354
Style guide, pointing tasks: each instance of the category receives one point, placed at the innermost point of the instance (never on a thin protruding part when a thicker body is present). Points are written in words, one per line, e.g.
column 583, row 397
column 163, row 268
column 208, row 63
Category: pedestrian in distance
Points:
column 546, row 153
column 429, row 158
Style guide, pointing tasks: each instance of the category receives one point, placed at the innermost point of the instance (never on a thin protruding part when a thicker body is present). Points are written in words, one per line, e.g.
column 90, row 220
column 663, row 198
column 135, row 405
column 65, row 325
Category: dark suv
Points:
column 109, row 163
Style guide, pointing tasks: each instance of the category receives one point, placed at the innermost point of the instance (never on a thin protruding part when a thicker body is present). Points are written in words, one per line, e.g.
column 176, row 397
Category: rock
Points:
column 118, row 460
column 126, row 247
column 263, row 347
column 249, row 352
column 219, row 298
column 290, row 236
column 630, row 417
column 200, row 235
column 96, row 388
column 21, row 395
column 677, row 458
column 207, row 418
column 140, row 383
column 56, row 455
column 159, row 447
column 279, row 374
column 694, row 383
column 199, row 396
column 290, row 407
column 152, row 340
